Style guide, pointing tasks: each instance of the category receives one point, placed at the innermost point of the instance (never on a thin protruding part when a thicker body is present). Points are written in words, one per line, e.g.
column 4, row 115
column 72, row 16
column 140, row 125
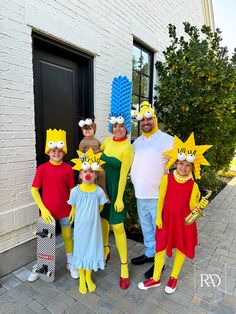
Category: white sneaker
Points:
column 73, row 272
column 33, row 276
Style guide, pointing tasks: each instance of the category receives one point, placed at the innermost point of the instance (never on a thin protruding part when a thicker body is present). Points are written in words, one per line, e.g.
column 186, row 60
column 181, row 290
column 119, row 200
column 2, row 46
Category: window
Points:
column 142, row 77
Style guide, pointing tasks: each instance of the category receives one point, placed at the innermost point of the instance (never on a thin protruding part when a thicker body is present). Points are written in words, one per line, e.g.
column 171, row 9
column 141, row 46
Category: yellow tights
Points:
column 67, row 237
column 160, row 261
column 85, row 280
column 121, row 244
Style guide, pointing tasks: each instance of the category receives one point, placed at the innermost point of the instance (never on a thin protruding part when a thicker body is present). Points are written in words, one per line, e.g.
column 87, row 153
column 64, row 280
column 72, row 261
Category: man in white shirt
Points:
column 146, row 173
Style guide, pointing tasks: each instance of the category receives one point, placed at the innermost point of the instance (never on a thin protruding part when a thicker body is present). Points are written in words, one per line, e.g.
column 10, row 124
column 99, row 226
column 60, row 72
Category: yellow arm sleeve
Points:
column 161, row 199
column 46, row 215
column 195, row 197
column 72, row 214
column 126, row 163
column 100, row 208
column 37, row 198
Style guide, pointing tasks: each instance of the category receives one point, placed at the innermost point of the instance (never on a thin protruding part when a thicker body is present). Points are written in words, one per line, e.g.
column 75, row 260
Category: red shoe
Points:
column 171, row 285
column 149, row 283
column 124, row 283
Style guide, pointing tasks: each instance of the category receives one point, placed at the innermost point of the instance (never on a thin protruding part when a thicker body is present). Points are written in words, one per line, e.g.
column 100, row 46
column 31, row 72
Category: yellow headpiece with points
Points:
column 188, row 151
column 55, row 138
column 88, row 160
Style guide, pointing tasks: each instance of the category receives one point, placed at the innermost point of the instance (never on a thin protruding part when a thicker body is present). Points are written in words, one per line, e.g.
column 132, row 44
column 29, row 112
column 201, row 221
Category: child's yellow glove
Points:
column 203, row 203
column 72, row 214
column 119, row 205
column 46, row 215
column 159, row 222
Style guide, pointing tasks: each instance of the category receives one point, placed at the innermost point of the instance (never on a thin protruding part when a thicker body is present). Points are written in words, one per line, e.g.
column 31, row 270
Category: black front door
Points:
column 63, row 89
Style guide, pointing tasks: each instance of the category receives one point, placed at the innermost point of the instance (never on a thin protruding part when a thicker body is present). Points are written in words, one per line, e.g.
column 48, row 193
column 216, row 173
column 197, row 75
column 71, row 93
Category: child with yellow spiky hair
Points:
column 87, row 200
column 178, row 196
column 51, row 189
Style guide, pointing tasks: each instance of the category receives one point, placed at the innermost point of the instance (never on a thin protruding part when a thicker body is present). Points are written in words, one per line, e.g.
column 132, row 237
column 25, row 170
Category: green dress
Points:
column 112, row 170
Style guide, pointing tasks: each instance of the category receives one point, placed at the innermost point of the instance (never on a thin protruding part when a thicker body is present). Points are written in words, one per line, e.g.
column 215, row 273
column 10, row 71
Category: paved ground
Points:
column 207, row 285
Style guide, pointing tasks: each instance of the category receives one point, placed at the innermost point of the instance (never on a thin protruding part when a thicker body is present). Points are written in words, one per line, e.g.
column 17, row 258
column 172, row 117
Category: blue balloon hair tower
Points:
column 121, row 101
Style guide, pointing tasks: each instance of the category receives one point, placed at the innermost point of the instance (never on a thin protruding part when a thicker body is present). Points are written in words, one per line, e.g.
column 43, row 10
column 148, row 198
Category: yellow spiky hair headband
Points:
column 88, row 160
column 146, row 111
column 55, row 138
column 188, row 151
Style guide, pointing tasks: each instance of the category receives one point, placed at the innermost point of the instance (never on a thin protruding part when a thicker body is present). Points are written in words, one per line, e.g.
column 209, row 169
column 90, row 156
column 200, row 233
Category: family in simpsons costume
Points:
column 94, row 209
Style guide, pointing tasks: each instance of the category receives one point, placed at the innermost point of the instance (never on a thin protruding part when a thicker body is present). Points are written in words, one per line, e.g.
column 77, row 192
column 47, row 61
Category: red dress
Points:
column 175, row 233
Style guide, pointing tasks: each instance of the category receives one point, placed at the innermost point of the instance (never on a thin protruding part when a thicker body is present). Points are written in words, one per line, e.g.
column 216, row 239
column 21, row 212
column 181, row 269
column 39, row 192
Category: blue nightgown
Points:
column 88, row 245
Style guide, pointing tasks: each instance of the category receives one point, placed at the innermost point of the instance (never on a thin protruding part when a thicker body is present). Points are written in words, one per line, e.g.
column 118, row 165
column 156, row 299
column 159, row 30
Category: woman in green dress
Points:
column 118, row 154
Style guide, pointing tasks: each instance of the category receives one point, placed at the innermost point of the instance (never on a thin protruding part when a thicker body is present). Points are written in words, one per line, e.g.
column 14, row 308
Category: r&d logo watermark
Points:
column 209, row 280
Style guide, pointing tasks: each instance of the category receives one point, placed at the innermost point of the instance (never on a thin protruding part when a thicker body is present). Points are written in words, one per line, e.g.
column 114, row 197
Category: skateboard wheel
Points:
column 49, row 273
column 34, row 269
column 49, row 235
column 34, row 233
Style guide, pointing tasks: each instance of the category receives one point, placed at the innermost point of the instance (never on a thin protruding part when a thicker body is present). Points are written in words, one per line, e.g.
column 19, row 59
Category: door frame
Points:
column 52, row 46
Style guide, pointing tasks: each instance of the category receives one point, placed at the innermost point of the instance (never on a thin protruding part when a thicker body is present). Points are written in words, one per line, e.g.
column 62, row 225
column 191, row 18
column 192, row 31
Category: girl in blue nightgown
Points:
column 87, row 200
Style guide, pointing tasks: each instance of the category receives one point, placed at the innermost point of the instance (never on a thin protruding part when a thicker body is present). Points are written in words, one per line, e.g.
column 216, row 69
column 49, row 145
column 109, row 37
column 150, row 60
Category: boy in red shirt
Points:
column 55, row 179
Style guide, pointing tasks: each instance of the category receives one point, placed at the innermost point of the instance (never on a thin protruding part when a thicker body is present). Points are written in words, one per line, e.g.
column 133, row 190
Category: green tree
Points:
column 197, row 91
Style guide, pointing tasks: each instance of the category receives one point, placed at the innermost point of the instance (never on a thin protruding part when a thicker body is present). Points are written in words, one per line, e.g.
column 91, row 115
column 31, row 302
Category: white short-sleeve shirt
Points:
column 149, row 163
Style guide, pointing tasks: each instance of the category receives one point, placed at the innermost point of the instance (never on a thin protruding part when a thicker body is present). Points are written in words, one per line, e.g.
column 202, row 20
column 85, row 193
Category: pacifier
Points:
column 87, row 177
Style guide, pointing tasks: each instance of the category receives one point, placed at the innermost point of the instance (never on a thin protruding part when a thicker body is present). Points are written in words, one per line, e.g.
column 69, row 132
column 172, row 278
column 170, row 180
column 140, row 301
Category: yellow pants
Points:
column 121, row 244
column 67, row 237
column 160, row 261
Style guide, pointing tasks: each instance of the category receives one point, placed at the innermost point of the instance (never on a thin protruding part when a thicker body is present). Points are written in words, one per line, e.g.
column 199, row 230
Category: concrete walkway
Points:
column 207, row 285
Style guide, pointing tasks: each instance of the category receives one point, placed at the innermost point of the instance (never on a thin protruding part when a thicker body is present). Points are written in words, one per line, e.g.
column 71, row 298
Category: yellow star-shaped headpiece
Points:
column 188, row 148
column 88, row 160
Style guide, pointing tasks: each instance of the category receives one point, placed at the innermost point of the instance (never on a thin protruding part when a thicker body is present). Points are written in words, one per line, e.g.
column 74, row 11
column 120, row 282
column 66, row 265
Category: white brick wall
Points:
column 102, row 28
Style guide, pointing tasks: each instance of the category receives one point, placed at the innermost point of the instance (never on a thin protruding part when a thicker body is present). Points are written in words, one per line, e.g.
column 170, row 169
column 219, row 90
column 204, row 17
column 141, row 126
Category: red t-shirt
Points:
column 55, row 183
column 175, row 233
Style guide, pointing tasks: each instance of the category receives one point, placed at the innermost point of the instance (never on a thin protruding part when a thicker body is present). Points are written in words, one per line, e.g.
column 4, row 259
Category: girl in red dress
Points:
column 178, row 196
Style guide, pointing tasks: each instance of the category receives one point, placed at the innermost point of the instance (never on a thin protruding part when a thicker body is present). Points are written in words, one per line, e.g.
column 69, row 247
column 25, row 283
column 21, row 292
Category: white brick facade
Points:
column 104, row 29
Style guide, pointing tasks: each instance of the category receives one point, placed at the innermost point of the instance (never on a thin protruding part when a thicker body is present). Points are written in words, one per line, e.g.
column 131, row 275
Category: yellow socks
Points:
column 82, row 281
column 91, row 285
column 121, row 243
column 85, row 279
column 178, row 263
column 158, row 264
column 67, row 237
column 160, row 261
column 105, row 235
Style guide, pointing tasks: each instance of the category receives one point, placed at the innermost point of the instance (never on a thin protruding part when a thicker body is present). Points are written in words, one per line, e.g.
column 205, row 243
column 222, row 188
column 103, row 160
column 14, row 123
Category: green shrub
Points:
column 132, row 225
column 196, row 92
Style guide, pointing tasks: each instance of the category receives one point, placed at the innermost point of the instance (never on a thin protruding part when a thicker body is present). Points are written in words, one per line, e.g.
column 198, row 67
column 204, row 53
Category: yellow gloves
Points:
column 159, row 222
column 119, row 205
column 72, row 214
column 46, row 215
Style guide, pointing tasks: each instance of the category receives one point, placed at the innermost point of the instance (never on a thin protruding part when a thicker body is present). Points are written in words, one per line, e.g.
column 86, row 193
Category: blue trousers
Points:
column 147, row 211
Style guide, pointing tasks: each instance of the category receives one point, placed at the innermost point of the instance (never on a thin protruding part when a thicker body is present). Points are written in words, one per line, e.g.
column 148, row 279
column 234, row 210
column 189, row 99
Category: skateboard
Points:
column 46, row 247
